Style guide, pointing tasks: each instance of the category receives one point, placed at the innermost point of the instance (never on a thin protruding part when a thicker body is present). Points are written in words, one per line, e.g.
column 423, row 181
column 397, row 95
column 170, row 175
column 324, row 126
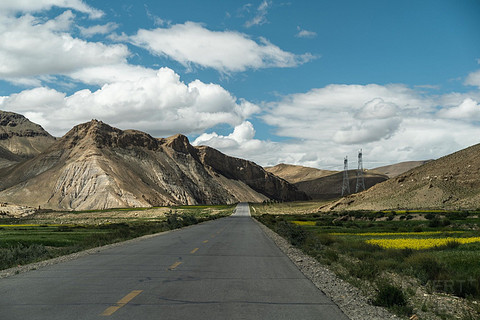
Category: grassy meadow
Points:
column 52, row 234
column 399, row 257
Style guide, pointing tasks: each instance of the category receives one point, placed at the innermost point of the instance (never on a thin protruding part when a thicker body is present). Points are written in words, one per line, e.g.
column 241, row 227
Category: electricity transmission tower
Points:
column 346, row 182
column 360, row 179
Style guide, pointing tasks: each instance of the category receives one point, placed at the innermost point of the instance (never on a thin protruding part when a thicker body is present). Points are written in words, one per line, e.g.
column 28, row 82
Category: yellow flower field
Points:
column 419, row 244
column 373, row 234
column 304, row 223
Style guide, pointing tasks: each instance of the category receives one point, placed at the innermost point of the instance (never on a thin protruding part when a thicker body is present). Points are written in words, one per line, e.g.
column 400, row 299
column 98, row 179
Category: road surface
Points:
column 222, row 269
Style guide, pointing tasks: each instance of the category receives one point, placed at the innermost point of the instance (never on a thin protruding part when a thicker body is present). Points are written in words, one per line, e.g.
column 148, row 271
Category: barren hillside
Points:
column 397, row 169
column 451, row 182
column 95, row 166
column 294, row 174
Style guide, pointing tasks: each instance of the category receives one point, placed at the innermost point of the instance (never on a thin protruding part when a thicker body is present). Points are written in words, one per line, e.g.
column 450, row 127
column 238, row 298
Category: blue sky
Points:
column 301, row 82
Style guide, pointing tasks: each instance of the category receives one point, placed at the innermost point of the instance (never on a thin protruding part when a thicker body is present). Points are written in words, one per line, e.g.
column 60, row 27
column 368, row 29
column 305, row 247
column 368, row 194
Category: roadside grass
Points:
column 26, row 241
column 342, row 239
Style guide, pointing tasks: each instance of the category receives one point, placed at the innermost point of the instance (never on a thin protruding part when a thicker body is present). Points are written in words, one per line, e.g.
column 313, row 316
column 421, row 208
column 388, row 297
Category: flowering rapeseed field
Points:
column 419, row 244
column 304, row 223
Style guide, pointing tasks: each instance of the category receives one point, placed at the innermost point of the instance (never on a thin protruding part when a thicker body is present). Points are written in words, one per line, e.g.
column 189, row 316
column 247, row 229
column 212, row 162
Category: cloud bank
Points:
column 159, row 103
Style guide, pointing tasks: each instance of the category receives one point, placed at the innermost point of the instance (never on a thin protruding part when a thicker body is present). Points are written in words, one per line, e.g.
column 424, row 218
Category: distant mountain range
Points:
column 96, row 166
column 327, row 184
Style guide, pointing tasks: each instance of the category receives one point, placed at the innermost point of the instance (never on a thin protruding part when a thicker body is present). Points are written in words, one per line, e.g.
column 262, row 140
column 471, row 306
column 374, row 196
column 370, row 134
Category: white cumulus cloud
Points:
column 31, row 48
column 25, row 6
column 391, row 123
column 159, row 104
column 469, row 109
column 226, row 51
column 240, row 143
column 473, row 79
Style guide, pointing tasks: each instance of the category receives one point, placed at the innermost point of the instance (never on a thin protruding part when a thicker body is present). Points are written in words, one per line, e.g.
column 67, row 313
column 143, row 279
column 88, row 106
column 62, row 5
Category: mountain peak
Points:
column 101, row 135
column 179, row 143
column 14, row 124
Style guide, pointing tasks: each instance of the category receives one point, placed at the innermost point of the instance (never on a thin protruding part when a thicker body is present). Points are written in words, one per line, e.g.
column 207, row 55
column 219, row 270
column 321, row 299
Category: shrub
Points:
column 434, row 223
column 364, row 269
column 295, row 234
column 393, row 298
column 21, row 254
column 424, row 266
column 389, row 296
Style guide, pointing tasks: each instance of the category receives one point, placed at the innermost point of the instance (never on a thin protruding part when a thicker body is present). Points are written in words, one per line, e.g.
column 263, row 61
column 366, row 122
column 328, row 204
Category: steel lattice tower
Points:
column 360, row 179
column 346, row 182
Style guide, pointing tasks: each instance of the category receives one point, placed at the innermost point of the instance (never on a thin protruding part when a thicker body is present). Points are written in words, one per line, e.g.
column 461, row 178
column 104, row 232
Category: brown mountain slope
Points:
column 330, row 186
column 397, row 169
column 20, row 138
column 95, row 166
column 451, row 182
column 294, row 174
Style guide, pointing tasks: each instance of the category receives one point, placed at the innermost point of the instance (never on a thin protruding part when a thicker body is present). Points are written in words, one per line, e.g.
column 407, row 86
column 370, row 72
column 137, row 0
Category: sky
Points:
column 299, row 82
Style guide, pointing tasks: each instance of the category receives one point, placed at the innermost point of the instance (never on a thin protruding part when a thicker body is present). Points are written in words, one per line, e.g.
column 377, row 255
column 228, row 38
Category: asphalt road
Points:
column 222, row 269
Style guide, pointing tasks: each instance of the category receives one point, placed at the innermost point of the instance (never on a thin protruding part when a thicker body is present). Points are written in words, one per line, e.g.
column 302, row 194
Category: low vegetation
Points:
column 400, row 259
column 41, row 237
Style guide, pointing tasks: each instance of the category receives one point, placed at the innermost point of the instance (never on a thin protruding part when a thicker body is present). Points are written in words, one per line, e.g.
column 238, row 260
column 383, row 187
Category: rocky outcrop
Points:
column 251, row 174
column 96, row 166
column 20, row 138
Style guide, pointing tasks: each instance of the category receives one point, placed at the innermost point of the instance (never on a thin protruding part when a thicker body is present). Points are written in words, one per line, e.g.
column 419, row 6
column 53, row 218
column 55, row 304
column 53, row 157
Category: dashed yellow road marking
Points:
column 194, row 250
column 205, row 241
column 111, row 310
column 173, row 266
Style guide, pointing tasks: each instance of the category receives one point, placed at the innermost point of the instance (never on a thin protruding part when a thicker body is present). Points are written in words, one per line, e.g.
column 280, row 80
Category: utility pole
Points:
column 360, row 179
column 346, row 182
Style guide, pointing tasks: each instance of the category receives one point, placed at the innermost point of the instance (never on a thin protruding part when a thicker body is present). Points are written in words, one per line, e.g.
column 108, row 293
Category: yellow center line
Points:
column 205, row 241
column 194, row 250
column 111, row 310
column 173, row 266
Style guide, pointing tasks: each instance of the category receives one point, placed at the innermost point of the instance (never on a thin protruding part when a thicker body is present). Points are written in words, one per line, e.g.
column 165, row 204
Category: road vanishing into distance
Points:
column 222, row 269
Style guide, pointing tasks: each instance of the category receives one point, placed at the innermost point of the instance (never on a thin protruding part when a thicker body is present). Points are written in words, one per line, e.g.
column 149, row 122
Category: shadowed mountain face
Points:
column 20, row 139
column 451, row 182
column 330, row 186
column 95, row 166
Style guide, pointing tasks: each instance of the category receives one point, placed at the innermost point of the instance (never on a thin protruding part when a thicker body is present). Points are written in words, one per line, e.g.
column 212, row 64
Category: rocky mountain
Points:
column 294, row 174
column 96, row 166
column 20, row 138
column 397, row 169
column 451, row 182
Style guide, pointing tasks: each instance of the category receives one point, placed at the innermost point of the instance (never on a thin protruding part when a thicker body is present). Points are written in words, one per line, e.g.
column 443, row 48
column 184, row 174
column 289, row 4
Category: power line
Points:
column 360, row 178
column 346, row 181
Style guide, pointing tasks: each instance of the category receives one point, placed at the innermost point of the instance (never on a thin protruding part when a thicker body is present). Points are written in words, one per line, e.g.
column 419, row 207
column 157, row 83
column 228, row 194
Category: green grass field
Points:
column 41, row 237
